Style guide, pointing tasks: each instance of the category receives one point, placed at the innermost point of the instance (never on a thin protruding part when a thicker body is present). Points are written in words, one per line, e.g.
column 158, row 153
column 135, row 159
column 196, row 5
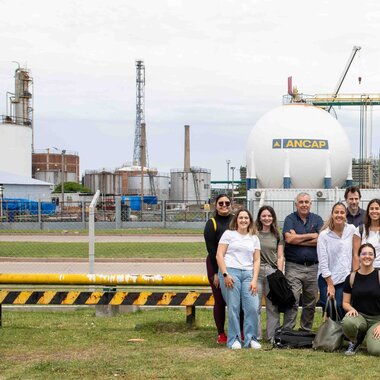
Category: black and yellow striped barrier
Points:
column 189, row 299
column 50, row 297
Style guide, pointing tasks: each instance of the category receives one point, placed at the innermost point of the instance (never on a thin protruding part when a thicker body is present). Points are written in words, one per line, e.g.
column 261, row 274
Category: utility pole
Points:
column 143, row 164
column 1, row 202
column 233, row 178
column 62, row 178
column 228, row 175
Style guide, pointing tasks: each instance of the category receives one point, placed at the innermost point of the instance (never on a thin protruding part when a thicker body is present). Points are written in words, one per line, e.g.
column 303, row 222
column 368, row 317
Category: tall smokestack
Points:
column 186, row 167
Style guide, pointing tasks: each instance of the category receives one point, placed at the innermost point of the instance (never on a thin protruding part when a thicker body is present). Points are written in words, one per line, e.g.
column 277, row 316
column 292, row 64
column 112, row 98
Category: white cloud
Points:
column 217, row 65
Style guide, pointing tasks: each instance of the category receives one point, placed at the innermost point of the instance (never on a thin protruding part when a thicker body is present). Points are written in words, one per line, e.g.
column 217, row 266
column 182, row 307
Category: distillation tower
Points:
column 140, row 111
column 16, row 128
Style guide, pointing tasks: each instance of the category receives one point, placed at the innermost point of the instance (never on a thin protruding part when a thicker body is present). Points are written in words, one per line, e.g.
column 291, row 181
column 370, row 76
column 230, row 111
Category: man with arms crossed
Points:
column 300, row 231
column 355, row 214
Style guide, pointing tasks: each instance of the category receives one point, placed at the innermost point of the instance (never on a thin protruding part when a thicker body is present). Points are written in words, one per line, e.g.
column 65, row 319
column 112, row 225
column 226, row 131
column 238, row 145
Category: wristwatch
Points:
column 225, row 274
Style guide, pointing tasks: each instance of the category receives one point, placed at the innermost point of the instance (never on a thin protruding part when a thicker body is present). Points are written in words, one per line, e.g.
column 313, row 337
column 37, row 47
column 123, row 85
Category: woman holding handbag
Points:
column 361, row 300
column 271, row 259
column 334, row 248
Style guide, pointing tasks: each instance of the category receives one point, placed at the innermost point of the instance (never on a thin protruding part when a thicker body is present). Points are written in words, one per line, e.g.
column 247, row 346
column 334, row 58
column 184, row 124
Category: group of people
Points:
column 338, row 259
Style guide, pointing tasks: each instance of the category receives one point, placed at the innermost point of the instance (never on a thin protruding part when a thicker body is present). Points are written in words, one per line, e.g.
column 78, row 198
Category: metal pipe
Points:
column 102, row 279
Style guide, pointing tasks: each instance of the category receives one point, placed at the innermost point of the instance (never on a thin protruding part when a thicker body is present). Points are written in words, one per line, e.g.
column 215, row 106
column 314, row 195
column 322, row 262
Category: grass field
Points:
column 77, row 345
column 104, row 250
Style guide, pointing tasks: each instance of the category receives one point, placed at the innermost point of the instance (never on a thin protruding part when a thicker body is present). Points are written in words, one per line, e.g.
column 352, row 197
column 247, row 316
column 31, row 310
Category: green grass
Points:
column 77, row 345
column 103, row 250
column 129, row 231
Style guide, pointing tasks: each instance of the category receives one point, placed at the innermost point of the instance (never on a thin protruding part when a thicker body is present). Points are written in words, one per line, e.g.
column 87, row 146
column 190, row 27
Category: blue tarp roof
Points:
column 22, row 205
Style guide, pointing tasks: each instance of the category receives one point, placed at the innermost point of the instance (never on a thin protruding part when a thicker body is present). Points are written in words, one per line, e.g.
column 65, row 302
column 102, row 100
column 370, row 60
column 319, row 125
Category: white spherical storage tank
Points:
column 16, row 149
column 300, row 142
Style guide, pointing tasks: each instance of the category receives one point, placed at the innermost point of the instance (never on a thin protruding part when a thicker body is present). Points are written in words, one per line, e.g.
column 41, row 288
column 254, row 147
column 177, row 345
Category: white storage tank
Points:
column 105, row 181
column 190, row 186
column 16, row 149
column 297, row 146
column 154, row 184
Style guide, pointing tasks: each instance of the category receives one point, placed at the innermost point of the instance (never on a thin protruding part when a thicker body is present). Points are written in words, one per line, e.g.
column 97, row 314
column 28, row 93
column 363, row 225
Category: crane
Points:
column 355, row 49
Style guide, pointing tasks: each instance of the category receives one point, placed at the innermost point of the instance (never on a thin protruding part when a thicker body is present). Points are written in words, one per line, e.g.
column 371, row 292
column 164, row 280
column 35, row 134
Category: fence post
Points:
column 190, row 315
column 118, row 211
column 91, row 232
column 39, row 211
column 163, row 204
column 83, row 203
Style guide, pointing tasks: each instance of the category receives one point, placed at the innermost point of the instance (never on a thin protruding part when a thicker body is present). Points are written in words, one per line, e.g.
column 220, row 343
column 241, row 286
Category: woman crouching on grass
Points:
column 361, row 301
column 238, row 259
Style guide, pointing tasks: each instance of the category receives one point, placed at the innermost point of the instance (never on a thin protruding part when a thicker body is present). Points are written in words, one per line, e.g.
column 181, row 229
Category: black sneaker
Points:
column 351, row 349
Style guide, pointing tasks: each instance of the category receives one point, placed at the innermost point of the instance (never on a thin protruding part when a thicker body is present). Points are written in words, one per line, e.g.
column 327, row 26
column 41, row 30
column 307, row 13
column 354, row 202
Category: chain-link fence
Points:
column 131, row 237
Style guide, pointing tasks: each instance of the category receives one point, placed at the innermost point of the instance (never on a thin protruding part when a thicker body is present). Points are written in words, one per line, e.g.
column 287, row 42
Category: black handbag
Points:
column 329, row 336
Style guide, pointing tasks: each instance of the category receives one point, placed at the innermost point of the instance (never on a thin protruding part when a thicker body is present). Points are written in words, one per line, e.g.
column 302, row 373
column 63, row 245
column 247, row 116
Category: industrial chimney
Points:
column 186, row 167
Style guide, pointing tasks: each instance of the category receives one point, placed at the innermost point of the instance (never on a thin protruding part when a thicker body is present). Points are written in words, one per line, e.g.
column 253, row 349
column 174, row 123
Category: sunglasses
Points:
column 369, row 254
column 227, row 203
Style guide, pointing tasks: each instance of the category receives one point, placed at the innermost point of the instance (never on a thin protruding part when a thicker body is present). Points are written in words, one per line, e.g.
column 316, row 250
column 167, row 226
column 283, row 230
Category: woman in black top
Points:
column 213, row 231
column 361, row 301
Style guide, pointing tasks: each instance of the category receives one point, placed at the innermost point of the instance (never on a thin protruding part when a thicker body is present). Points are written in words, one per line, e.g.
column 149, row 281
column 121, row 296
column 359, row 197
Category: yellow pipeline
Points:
column 103, row 279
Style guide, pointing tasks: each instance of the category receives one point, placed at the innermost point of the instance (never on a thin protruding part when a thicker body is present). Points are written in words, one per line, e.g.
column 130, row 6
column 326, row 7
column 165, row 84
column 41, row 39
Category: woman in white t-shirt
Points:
column 238, row 259
column 369, row 232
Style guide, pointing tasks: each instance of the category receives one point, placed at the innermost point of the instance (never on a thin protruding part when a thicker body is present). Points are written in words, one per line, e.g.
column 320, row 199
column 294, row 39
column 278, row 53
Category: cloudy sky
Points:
column 216, row 65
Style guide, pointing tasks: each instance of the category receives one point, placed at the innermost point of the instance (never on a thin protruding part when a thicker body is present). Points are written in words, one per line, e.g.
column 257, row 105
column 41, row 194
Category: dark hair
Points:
column 367, row 219
column 273, row 226
column 330, row 223
column 367, row 245
column 251, row 228
column 218, row 197
column 352, row 189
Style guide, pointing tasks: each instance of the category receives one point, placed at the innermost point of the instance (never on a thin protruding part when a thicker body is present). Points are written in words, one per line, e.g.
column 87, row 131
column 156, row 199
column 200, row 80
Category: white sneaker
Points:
column 255, row 344
column 236, row 345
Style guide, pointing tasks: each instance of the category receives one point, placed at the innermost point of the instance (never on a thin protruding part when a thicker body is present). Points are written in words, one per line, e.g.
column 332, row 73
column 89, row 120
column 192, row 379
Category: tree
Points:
column 72, row 187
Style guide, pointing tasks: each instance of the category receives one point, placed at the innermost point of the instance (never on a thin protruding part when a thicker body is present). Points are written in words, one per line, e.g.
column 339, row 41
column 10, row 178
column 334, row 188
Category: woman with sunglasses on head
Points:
column 238, row 259
column 271, row 259
column 334, row 248
column 369, row 232
column 361, row 300
column 213, row 231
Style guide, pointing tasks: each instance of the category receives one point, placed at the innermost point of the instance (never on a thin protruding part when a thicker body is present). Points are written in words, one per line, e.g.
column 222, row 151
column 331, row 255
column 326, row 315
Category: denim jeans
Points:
column 236, row 297
column 322, row 284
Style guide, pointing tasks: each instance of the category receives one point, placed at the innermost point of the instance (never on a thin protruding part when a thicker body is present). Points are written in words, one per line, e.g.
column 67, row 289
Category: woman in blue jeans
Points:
column 334, row 248
column 238, row 257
